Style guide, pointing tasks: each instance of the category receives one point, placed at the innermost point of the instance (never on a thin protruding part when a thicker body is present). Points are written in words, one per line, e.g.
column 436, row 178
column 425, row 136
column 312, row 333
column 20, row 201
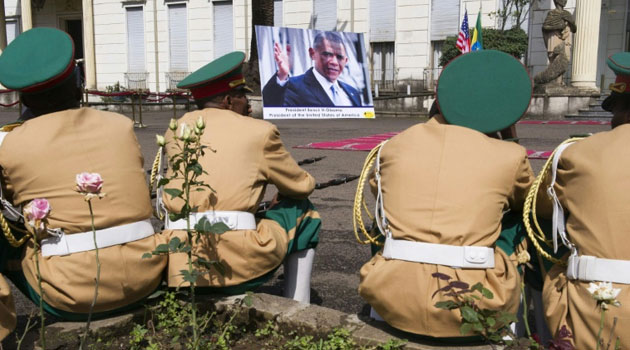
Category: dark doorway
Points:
column 74, row 27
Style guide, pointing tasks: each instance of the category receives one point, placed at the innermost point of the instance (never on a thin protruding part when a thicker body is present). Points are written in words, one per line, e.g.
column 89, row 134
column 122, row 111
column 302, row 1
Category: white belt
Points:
column 589, row 268
column 82, row 242
column 465, row 257
column 235, row 220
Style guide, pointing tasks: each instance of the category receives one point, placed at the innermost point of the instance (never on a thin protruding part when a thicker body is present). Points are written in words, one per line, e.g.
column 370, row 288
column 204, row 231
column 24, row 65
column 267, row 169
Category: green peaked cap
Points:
column 484, row 90
column 620, row 65
column 213, row 70
column 36, row 58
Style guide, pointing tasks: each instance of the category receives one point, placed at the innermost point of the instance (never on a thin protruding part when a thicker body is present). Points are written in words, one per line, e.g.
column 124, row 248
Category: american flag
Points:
column 463, row 39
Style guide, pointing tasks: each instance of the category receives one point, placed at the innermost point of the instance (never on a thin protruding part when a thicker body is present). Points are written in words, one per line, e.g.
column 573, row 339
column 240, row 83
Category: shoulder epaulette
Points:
column 10, row 126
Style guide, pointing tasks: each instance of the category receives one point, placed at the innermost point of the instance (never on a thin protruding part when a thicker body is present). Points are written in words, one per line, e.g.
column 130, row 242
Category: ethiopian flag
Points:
column 476, row 43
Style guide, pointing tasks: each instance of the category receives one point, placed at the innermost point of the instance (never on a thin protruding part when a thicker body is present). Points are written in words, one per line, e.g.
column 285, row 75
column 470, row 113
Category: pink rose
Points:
column 89, row 183
column 37, row 209
column 36, row 212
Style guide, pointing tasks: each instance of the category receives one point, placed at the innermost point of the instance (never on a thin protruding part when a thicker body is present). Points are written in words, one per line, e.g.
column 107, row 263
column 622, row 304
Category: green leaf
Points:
column 477, row 327
column 506, row 318
column 465, row 328
column 219, row 267
column 446, row 305
column 249, row 298
column 147, row 256
column 163, row 181
column 487, row 293
column 175, row 216
column 185, row 210
column 204, row 226
column 173, row 244
column 219, row 228
column 161, row 248
column 495, row 338
column 202, row 262
column 469, row 314
column 173, row 192
column 188, row 276
column 195, row 169
column 491, row 321
column 478, row 287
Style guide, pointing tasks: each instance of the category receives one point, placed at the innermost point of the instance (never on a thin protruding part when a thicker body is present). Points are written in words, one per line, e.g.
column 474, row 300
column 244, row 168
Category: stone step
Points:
column 582, row 117
column 595, row 107
column 594, row 113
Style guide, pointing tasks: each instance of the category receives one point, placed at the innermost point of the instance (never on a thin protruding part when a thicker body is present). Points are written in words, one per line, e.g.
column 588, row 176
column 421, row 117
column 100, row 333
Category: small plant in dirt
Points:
column 492, row 325
column 185, row 172
column 167, row 327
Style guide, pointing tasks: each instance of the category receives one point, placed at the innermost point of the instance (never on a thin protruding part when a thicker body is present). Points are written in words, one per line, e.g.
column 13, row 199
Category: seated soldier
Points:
column 591, row 187
column 41, row 157
column 442, row 189
column 247, row 154
column 7, row 310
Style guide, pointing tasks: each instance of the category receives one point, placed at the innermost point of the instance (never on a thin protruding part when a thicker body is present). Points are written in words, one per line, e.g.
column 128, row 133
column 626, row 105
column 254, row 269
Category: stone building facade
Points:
column 152, row 44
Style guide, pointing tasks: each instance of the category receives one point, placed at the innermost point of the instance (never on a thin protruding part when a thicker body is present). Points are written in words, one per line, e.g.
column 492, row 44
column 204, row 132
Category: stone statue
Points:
column 558, row 29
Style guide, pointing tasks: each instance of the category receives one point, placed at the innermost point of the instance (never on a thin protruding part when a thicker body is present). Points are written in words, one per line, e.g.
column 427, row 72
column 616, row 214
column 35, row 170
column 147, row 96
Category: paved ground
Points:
column 339, row 257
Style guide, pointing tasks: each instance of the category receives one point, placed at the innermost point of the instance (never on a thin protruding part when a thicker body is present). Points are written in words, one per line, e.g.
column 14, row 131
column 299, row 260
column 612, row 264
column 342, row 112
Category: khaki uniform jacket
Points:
column 449, row 185
column 592, row 186
column 7, row 309
column 40, row 159
column 246, row 155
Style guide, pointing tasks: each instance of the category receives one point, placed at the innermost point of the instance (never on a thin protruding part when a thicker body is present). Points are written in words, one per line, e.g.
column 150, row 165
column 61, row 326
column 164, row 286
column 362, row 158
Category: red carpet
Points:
column 566, row 122
column 366, row 143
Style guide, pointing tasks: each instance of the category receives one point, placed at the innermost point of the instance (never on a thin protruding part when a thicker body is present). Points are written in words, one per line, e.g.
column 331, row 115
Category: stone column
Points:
column 3, row 27
column 88, row 44
column 27, row 15
column 586, row 41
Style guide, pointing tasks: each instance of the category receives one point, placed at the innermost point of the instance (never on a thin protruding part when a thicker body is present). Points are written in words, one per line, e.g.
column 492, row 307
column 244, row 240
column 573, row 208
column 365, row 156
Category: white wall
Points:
column 412, row 38
column 361, row 16
column 297, row 13
column 242, row 25
column 200, row 33
column 110, row 40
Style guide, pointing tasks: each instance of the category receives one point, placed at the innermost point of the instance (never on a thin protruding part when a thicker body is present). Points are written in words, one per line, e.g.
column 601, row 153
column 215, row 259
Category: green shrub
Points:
column 512, row 41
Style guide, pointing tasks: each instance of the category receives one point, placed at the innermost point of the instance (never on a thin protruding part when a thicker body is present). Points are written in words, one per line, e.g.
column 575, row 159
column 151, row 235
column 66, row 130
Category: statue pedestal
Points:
column 554, row 102
column 552, row 89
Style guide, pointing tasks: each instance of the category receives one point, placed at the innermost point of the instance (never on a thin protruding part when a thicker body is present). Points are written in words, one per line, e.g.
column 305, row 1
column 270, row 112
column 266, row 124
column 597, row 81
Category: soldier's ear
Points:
column 226, row 102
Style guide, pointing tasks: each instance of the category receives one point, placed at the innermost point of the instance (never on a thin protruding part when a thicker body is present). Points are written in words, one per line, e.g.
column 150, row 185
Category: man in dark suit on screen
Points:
column 319, row 86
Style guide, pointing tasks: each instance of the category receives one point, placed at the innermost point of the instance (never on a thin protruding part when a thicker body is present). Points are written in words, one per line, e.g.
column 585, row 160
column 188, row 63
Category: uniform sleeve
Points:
column 282, row 170
column 544, row 205
column 7, row 309
column 523, row 180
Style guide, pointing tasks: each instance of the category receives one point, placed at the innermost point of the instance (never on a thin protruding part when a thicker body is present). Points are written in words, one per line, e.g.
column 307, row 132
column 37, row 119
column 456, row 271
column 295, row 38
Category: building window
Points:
column 324, row 15
column 382, row 20
column 445, row 18
column 383, row 72
column 13, row 29
column 223, row 28
column 436, row 68
column 135, row 40
column 178, row 37
column 277, row 13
